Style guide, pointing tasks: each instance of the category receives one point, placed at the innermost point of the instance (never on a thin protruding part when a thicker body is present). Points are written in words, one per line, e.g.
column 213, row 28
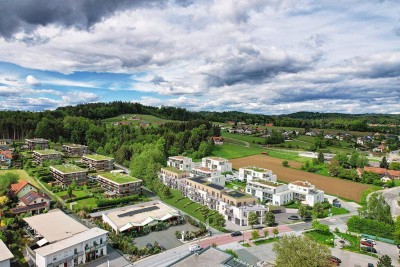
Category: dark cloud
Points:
column 158, row 79
column 27, row 15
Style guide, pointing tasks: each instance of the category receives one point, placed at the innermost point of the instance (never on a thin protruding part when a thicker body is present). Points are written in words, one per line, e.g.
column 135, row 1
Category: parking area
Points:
column 165, row 238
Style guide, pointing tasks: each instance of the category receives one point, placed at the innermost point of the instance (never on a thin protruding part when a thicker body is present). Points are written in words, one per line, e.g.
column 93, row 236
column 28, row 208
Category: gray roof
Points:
column 210, row 257
column 55, row 225
column 5, row 253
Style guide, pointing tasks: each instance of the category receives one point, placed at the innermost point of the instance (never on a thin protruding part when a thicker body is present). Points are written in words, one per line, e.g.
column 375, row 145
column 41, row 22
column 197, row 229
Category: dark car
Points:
column 307, row 219
column 370, row 265
column 237, row 233
column 336, row 259
column 369, row 249
column 149, row 246
column 293, row 217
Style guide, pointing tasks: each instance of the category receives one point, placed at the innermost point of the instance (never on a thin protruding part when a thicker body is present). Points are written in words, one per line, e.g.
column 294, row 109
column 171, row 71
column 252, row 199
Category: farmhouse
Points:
column 22, row 188
column 59, row 240
column 5, row 255
column 74, row 149
column 39, row 143
column 118, row 184
column 40, row 156
column 180, row 162
column 250, row 173
column 135, row 217
column 66, row 173
column 170, row 176
column 98, row 162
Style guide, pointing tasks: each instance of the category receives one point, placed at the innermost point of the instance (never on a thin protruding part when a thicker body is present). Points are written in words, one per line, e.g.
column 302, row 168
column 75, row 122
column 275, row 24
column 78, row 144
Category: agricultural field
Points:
column 333, row 186
column 244, row 137
column 143, row 118
column 231, row 151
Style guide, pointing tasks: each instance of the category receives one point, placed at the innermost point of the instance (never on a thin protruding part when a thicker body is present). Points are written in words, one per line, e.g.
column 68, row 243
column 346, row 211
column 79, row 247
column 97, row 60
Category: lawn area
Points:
column 339, row 211
column 325, row 239
column 231, row 151
column 265, row 241
column 77, row 193
column 354, row 244
column 235, row 184
column 87, row 202
column 288, row 155
column 148, row 118
column 246, row 245
column 244, row 137
column 23, row 175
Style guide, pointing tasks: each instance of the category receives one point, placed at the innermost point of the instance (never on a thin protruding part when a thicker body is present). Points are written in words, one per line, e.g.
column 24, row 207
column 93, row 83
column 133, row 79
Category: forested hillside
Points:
column 50, row 124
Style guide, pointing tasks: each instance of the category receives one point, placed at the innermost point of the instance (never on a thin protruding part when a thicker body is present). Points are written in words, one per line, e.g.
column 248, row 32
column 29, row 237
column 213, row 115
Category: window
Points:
column 101, row 240
column 75, row 251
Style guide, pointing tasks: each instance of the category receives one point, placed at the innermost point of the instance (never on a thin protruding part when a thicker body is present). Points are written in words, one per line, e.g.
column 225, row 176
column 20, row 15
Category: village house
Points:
column 385, row 174
column 218, row 140
column 5, row 157
column 31, row 200
column 37, row 143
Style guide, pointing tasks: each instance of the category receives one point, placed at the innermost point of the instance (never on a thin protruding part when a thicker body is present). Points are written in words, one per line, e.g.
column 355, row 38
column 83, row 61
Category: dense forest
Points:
column 49, row 124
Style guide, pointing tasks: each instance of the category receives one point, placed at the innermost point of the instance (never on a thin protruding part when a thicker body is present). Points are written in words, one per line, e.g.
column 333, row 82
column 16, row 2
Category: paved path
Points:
column 391, row 196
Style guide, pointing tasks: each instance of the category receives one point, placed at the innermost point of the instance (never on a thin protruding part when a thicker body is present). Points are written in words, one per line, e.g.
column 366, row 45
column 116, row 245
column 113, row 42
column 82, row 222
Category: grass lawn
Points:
column 339, row 211
column 23, row 175
column 354, row 244
column 148, row 118
column 246, row 245
column 87, row 202
column 237, row 184
column 231, row 151
column 245, row 137
column 265, row 241
column 288, row 155
column 294, row 205
column 77, row 193
column 324, row 239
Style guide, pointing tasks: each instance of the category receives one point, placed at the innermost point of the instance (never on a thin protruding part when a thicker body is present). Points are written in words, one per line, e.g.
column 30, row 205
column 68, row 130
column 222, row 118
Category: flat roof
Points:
column 68, row 168
column 178, row 157
column 256, row 169
column 273, row 184
column 217, row 159
column 55, row 225
column 37, row 140
column 174, row 170
column 119, row 178
column 302, row 183
column 237, row 194
column 210, row 257
column 97, row 157
column 75, row 145
column 5, row 253
column 140, row 214
column 201, row 180
column 47, row 152
column 71, row 241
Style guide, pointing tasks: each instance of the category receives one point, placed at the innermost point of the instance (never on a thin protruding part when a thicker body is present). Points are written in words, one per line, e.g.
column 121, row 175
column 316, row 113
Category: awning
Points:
column 42, row 242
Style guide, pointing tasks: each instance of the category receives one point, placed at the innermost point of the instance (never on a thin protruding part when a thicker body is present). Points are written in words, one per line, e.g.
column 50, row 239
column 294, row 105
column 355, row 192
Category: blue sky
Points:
column 256, row 56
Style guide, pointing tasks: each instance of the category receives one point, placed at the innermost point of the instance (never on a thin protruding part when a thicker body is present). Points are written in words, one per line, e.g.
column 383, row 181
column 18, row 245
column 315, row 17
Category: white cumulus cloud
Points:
column 32, row 80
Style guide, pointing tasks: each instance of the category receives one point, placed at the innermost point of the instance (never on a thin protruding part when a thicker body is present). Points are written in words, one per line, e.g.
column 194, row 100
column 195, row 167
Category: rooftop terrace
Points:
column 237, row 194
column 97, row 157
column 119, row 178
column 47, row 152
column 173, row 169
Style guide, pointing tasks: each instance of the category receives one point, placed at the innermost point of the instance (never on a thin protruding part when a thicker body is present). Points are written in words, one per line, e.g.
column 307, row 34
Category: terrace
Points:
column 174, row 170
column 237, row 194
column 268, row 183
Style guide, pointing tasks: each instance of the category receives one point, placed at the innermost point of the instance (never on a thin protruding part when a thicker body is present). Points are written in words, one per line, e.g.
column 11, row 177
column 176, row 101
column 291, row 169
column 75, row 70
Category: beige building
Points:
column 98, row 162
column 171, row 176
column 74, row 150
column 37, row 143
column 66, row 173
column 119, row 184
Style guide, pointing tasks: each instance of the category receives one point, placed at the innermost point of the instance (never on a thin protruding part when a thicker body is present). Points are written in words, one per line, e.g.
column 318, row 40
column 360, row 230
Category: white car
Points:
column 369, row 241
column 194, row 248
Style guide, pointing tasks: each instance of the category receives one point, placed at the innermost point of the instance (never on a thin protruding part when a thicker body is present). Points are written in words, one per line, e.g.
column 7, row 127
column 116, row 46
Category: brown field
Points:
column 332, row 186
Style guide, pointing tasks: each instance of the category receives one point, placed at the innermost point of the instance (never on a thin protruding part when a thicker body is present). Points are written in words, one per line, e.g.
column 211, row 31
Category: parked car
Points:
column 161, row 247
column 149, row 246
column 294, row 217
column 369, row 240
column 369, row 249
column 194, row 248
column 365, row 243
column 307, row 219
column 258, row 226
column 335, row 260
column 370, row 265
column 237, row 233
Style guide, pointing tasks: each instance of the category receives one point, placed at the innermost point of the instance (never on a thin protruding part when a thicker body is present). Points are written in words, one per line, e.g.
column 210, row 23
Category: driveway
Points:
column 391, row 196
column 350, row 259
column 165, row 238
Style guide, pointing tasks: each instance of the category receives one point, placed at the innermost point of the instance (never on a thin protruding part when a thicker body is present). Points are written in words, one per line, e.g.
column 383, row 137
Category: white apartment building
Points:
column 5, row 255
column 249, row 173
column 306, row 192
column 204, row 172
column 59, row 240
column 180, row 162
column 219, row 164
column 270, row 192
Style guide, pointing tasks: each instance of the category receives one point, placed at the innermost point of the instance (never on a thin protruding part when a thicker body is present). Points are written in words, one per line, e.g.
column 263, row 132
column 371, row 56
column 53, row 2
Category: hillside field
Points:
column 143, row 118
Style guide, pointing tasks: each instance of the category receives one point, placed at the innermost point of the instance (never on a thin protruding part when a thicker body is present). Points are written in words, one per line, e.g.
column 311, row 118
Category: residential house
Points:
column 66, row 173
column 215, row 163
column 37, row 143
column 5, row 255
column 145, row 124
column 74, row 149
column 119, row 184
column 269, row 191
column 218, row 140
column 33, row 203
column 22, row 188
column 59, row 240
column 384, row 173
column 98, row 162
column 40, row 156
column 180, row 162
column 5, row 157
column 249, row 173
column 5, row 142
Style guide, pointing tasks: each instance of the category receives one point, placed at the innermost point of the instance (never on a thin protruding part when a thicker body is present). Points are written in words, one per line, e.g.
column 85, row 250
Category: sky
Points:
column 256, row 56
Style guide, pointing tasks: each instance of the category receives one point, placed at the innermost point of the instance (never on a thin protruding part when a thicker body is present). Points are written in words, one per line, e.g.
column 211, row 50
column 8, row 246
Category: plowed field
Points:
column 332, row 186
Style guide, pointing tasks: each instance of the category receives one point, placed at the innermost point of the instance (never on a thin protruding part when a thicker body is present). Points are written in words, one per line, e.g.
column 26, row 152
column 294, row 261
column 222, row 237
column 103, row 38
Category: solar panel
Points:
column 134, row 212
column 236, row 194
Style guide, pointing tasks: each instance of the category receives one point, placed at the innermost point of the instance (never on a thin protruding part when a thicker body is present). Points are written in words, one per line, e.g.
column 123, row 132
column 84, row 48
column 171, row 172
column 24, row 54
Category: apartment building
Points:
column 215, row 163
column 98, row 162
column 306, row 192
column 5, row 255
column 40, row 156
column 204, row 172
column 170, row 176
column 64, row 174
column 119, row 184
column 39, row 143
column 59, row 240
column 250, row 173
column 180, row 162
column 74, row 150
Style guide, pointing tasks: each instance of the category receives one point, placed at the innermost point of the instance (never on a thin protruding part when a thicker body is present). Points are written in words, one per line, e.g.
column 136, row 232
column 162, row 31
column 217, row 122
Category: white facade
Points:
column 204, row 172
column 269, row 192
column 180, row 162
column 5, row 255
column 250, row 173
column 239, row 215
column 219, row 164
column 76, row 250
column 306, row 193
column 219, row 180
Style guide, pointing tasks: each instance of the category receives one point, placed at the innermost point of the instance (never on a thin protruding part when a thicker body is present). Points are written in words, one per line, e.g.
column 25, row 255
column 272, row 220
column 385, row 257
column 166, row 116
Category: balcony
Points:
column 70, row 258
column 94, row 247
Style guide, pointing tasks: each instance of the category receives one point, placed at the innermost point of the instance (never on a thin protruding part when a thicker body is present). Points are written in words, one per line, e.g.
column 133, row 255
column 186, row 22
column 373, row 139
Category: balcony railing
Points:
column 72, row 257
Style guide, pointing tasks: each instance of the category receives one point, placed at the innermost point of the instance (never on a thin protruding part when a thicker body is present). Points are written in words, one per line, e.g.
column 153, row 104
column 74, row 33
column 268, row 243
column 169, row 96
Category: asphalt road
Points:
column 391, row 195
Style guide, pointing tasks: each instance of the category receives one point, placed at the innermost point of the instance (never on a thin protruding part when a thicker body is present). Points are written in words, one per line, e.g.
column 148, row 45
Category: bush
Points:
column 115, row 201
column 69, row 200
column 372, row 227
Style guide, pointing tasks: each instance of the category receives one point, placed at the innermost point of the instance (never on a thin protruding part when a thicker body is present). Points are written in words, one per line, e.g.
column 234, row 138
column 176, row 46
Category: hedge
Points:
column 115, row 201
column 372, row 227
column 76, row 199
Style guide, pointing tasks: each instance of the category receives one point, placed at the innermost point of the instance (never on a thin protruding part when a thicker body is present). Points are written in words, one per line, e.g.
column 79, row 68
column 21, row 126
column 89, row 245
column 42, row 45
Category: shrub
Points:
column 115, row 201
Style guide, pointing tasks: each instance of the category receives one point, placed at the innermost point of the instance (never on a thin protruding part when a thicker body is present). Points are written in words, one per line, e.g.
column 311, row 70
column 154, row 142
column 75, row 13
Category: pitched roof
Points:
column 21, row 184
column 5, row 253
column 31, row 196
column 382, row 171
column 7, row 153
